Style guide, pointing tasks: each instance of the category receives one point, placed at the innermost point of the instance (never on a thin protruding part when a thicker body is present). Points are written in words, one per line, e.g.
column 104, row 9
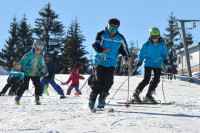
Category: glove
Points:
column 139, row 64
column 63, row 83
column 165, row 61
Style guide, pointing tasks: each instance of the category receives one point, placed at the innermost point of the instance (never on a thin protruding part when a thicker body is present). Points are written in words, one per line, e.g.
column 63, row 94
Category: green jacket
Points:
column 32, row 63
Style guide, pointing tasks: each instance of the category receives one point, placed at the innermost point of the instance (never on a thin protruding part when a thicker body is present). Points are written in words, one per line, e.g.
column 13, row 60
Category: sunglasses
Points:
column 155, row 37
column 38, row 49
column 110, row 28
column 47, row 56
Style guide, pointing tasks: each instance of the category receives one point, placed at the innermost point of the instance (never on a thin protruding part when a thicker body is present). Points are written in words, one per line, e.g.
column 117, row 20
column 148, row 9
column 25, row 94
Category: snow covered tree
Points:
column 51, row 32
column 9, row 52
column 74, row 51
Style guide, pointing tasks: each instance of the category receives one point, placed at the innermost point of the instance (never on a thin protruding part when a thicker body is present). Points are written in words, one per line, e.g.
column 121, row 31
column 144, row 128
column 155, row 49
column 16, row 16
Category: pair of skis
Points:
column 108, row 110
column 150, row 103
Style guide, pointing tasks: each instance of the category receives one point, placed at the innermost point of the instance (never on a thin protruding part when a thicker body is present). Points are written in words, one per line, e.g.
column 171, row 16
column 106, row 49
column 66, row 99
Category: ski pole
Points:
column 30, row 92
column 58, row 80
column 92, row 71
column 162, row 86
column 122, row 84
column 128, row 105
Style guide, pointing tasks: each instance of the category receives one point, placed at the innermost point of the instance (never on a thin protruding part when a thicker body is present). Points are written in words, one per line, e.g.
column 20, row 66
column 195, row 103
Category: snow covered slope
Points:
column 71, row 115
column 3, row 71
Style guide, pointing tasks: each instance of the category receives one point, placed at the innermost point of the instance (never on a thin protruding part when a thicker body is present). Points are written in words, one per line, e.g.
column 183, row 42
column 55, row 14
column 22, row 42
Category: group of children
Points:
column 40, row 69
column 109, row 43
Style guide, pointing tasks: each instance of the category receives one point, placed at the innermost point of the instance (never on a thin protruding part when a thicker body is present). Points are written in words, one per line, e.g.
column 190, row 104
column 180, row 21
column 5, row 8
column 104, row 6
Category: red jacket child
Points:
column 74, row 78
column 75, row 81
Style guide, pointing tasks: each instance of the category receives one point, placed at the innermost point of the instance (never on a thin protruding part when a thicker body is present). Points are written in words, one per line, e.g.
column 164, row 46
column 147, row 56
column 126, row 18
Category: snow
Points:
column 3, row 71
column 71, row 115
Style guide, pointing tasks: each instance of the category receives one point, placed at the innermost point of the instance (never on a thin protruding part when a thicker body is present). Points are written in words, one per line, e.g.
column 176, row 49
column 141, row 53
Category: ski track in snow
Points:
column 71, row 115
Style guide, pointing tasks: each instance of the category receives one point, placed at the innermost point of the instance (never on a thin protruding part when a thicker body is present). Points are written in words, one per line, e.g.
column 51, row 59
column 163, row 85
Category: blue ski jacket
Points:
column 117, row 44
column 153, row 55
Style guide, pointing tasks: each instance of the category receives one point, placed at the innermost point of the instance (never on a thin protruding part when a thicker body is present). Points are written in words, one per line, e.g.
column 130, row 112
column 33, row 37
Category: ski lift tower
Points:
column 185, row 43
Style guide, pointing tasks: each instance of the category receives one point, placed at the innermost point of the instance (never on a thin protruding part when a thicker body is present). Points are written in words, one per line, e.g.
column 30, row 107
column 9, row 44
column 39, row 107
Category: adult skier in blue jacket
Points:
column 50, row 78
column 108, row 43
column 154, row 53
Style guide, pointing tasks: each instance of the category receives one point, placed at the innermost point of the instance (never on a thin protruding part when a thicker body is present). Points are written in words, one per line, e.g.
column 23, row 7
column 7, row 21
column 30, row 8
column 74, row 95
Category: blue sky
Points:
column 136, row 16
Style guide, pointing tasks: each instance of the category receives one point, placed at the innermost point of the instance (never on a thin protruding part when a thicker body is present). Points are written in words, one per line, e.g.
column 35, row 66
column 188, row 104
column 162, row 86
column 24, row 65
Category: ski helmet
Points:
column 16, row 63
column 154, row 32
column 47, row 56
column 71, row 69
column 38, row 45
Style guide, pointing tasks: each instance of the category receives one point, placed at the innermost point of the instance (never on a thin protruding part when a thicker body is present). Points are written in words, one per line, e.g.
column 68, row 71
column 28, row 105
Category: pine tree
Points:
column 51, row 32
column 189, row 40
column 9, row 52
column 171, row 41
column 74, row 51
column 25, row 38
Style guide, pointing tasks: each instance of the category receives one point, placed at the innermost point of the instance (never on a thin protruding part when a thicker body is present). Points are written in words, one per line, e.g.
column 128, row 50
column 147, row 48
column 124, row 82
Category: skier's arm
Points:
column 123, row 50
column 43, row 66
column 164, row 52
column 70, row 78
column 142, row 53
column 80, row 77
column 25, row 59
column 97, row 44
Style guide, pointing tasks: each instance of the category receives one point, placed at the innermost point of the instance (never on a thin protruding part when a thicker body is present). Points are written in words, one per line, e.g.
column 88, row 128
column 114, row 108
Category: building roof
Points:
column 189, row 47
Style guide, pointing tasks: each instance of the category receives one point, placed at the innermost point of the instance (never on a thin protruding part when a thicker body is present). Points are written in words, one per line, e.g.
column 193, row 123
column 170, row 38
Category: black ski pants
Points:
column 147, row 76
column 25, row 85
column 11, row 83
column 102, row 80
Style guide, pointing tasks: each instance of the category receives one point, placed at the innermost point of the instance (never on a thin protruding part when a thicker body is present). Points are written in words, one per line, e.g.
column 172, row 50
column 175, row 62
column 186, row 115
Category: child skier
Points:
column 31, row 63
column 75, row 81
column 110, row 43
column 15, row 79
column 50, row 78
column 154, row 53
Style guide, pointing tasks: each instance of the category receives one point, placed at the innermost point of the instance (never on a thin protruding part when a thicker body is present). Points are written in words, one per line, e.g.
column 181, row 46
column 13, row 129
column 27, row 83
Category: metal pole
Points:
column 186, row 51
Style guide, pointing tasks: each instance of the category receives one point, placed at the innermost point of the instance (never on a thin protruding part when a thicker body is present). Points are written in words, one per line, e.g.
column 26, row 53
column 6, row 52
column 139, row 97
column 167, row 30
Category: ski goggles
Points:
column 114, row 29
column 38, row 49
column 155, row 37
column 47, row 56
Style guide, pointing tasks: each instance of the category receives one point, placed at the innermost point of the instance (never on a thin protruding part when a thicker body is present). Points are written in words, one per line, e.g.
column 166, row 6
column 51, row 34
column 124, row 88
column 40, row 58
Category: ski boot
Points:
column 149, row 98
column 17, row 98
column 92, row 100
column 91, row 104
column 135, row 98
column 63, row 96
column 37, row 100
column 101, row 103
column 102, row 99
column 2, row 94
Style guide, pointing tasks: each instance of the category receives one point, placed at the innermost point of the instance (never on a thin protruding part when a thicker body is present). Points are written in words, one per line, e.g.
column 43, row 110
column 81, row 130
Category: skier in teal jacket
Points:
column 15, row 79
column 32, row 63
column 154, row 53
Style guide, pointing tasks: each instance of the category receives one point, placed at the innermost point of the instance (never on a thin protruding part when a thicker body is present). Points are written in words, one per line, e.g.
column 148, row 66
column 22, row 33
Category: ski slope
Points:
column 71, row 115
